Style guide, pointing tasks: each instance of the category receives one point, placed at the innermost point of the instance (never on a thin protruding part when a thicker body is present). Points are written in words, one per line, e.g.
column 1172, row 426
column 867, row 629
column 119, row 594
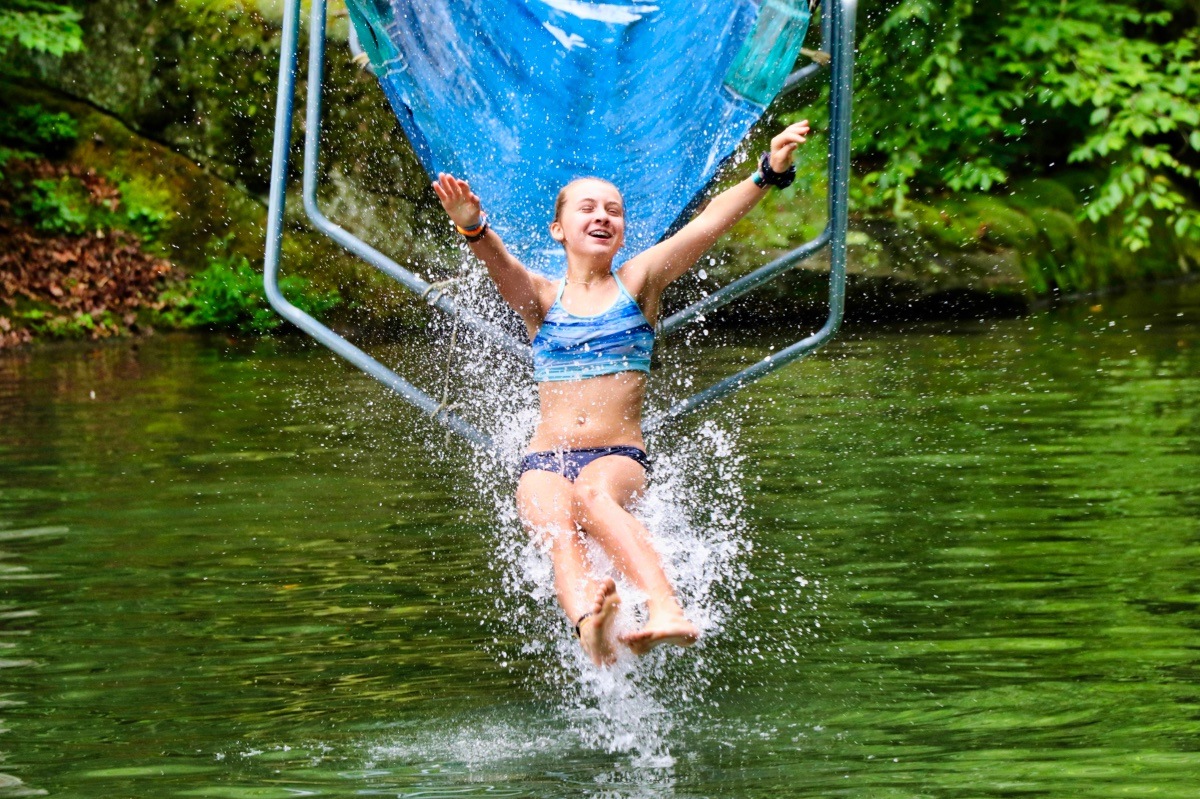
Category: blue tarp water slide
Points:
column 521, row 96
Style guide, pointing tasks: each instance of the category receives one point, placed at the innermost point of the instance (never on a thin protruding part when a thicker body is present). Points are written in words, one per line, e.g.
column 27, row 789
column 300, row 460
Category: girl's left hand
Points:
column 785, row 143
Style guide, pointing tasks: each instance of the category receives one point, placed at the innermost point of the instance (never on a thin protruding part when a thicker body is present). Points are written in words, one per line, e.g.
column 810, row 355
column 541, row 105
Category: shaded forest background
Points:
column 1005, row 153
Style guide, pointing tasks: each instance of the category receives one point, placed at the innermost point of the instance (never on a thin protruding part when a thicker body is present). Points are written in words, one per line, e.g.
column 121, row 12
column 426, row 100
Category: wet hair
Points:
column 561, row 199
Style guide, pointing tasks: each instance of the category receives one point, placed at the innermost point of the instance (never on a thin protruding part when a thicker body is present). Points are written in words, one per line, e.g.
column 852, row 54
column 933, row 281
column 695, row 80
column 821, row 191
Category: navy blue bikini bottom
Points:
column 570, row 462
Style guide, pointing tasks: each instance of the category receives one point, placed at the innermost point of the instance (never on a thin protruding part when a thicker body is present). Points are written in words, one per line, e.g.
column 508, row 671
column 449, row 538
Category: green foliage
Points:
column 145, row 209
column 31, row 127
column 40, row 26
column 28, row 131
column 79, row 325
column 968, row 94
column 58, row 205
column 67, row 205
column 10, row 156
column 229, row 295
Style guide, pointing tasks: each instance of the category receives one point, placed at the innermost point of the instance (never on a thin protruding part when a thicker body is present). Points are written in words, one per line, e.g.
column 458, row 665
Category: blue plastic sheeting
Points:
column 521, row 96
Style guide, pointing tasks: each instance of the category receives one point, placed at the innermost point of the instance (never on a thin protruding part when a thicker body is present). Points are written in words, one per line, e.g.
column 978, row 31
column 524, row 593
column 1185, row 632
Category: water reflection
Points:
column 16, row 622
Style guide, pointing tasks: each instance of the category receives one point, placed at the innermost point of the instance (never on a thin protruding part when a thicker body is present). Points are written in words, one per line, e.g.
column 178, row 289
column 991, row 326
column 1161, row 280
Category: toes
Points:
column 606, row 595
column 638, row 643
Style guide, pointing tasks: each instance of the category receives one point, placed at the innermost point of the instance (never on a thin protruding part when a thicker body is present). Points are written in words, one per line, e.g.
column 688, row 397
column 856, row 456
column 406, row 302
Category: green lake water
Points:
column 951, row 560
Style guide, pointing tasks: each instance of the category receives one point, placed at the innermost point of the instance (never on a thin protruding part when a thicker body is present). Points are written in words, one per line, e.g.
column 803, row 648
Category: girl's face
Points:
column 592, row 218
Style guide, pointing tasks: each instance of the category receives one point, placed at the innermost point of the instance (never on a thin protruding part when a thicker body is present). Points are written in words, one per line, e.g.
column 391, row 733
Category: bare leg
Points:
column 603, row 490
column 545, row 503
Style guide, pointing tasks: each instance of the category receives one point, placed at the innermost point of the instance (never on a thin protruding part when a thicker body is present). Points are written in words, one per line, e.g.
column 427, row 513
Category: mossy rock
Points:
column 201, row 78
column 1043, row 192
column 196, row 206
column 1061, row 229
column 971, row 222
column 204, row 215
column 999, row 223
column 944, row 225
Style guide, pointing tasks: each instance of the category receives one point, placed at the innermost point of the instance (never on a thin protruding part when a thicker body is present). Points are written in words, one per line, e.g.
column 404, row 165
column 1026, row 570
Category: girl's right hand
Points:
column 785, row 143
column 462, row 205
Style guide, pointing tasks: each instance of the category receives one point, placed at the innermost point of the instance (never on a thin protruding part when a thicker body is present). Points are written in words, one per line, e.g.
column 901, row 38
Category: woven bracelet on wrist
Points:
column 475, row 229
column 478, row 233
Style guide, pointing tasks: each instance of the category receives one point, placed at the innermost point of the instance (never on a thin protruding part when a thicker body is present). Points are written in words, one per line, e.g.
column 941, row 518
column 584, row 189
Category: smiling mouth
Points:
column 600, row 234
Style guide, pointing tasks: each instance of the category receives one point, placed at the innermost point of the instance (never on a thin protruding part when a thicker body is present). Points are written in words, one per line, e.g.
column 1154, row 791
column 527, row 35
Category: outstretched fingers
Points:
column 794, row 133
column 461, row 204
column 448, row 187
column 786, row 142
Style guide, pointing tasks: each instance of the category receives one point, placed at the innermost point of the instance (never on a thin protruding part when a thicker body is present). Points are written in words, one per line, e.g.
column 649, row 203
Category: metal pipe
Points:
column 278, row 198
column 746, row 283
column 841, row 38
column 350, row 242
column 279, row 155
column 798, row 78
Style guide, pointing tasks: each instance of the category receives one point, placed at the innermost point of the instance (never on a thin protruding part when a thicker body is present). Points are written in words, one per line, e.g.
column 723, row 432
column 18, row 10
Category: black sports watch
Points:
column 765, row 176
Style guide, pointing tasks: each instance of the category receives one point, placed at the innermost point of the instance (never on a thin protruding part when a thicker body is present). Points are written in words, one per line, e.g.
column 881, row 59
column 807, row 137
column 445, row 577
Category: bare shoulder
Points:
column 534, row 299
column 660, row 265
column 546, row 290
column 635, row 273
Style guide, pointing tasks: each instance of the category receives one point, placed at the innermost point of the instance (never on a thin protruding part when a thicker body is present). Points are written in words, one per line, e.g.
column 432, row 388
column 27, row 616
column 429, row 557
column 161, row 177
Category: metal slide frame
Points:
column 837, row 27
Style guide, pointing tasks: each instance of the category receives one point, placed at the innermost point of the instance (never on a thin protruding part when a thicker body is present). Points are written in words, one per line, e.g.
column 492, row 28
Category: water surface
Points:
column 970, row 570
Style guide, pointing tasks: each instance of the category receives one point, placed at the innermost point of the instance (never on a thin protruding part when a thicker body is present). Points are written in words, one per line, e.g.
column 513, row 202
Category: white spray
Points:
column 693, row 507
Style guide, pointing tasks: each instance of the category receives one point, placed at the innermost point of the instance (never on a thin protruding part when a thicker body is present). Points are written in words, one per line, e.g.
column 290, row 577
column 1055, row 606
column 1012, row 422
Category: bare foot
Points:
column 671, row 628
column 595, row 631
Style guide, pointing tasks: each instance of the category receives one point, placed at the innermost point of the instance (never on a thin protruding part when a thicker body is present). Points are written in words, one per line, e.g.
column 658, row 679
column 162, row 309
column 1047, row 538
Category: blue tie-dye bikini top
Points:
column 573, row 347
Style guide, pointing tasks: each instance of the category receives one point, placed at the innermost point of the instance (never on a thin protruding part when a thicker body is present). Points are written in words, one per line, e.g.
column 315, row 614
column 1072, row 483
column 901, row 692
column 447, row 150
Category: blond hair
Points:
column 561, row 199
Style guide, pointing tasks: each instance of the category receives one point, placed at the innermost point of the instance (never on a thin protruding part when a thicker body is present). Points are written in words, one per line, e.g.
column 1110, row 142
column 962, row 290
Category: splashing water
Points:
column 694, row 508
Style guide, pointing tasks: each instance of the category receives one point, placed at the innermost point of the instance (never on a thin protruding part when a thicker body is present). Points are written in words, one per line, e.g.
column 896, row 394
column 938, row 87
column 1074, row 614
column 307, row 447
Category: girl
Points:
column 592, row 334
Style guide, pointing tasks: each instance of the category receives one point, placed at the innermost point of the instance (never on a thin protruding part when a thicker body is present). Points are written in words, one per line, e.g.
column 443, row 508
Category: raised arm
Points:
column 519, row 287
column 667, row 260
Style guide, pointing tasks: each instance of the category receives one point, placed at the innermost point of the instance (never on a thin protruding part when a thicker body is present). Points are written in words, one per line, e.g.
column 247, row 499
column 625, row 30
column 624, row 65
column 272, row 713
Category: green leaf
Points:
column 41, row 27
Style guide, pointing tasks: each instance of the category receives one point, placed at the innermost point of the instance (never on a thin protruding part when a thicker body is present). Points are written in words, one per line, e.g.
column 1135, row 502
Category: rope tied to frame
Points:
column 437, row 289
column 432, row 294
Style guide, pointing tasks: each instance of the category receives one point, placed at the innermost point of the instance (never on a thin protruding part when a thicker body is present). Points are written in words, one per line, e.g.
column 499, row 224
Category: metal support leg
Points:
column 312, row 145
column 279, row 169
column 841, row 41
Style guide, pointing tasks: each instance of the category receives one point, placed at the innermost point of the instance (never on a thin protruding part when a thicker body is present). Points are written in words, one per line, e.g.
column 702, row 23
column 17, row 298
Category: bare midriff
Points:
column 604, row 411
